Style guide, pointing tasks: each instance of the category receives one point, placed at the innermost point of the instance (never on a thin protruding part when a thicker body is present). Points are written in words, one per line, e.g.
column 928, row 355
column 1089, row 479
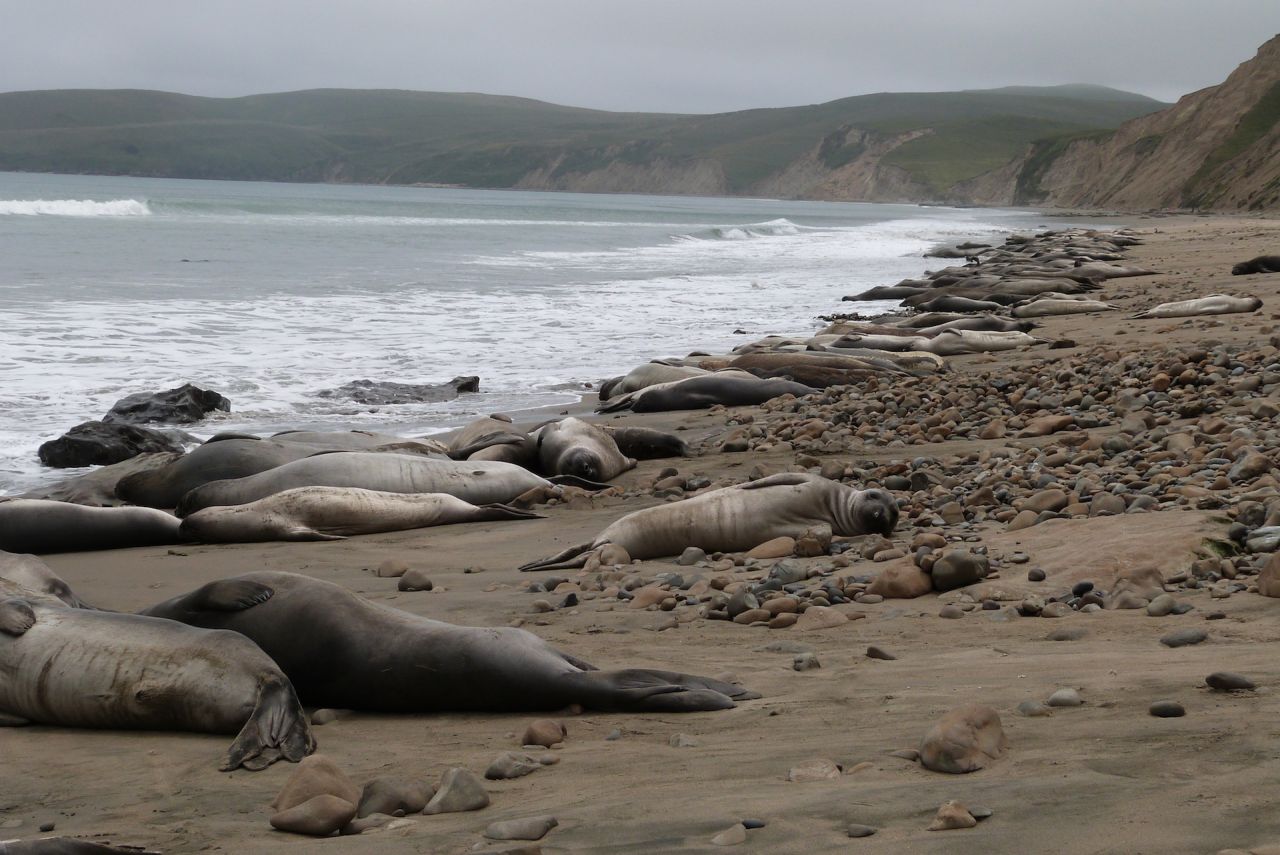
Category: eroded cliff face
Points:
column 1216, row 149
column 660, row 176
column 847, row 166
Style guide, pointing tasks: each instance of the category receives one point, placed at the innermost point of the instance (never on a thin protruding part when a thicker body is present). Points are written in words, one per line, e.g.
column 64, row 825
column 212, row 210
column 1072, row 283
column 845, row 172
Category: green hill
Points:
column 404, row 137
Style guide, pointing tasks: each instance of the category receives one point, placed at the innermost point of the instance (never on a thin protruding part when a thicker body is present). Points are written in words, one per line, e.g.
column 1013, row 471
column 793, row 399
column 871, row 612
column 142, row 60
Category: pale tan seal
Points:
column 334, row 513
column 574, row 447
column 1214, row 304
column 31, row 574
column 738, row 518
column 1055, row 307
column 79, row 668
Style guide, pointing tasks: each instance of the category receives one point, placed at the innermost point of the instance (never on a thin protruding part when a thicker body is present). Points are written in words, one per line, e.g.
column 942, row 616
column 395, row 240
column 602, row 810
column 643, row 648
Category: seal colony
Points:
column 983, row 531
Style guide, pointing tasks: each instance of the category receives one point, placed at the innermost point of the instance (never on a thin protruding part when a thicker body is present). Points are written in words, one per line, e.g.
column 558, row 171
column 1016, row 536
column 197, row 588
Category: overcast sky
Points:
column 659, row 55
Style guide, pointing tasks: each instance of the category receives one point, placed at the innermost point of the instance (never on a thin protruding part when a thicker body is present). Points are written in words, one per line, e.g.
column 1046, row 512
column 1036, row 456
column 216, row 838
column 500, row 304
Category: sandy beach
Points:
column 1104, row 777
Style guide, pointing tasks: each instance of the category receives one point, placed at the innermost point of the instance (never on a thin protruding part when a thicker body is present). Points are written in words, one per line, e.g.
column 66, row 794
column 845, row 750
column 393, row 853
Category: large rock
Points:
column 958, row 568
column 319, row 816
column 1269, row 577
column 316, row 775
column 901, row 582
column 381, row 392
column 101, row 444
column 181, row 406
column 963, row 740
column 394, row 797
column 460, row 790
column 1144, row 583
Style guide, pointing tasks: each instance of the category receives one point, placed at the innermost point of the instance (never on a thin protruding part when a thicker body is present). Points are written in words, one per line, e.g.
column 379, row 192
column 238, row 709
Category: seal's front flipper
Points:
column 693, row 681
column 782, row 479
column 574, row 556
column 575, row 481
column 16, row 617
column 11, row 720
column 304, row 533
column 640, row 690
column 277, row 729
column 487, row 441
column 506, row 512
column 228, row 595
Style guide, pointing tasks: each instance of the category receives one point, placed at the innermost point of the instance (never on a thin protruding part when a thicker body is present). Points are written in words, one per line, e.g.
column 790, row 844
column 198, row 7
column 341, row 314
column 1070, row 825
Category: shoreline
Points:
column 1206, row 775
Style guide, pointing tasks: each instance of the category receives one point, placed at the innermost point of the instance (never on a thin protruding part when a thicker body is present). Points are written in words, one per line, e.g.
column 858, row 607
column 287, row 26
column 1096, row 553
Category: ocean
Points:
column 270, row 293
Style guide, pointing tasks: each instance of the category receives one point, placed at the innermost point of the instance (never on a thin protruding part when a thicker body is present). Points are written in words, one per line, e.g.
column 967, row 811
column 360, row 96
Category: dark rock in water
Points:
column 380, row 392
column 181, row 406
column 100, row 444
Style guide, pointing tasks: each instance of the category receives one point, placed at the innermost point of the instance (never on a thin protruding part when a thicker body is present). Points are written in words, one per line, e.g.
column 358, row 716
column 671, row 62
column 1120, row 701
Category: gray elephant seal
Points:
column 1214, row 304
column 574, row 447
column 734, row 519
column 334, row 513
column 1051, row 307
column 216, row 460
column 647, row 443
column 480, row 482
column 80, row 668
column 1261, row 264
column 97, row 488
column 494, row 438
column 41, row 526
column 31, row 574
column 67, row 846
column 700, row 393
column 643, row 376
column 386, row 660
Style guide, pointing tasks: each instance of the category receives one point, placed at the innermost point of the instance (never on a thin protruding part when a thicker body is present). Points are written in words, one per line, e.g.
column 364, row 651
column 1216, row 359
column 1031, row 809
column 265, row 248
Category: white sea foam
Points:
column 74, row 208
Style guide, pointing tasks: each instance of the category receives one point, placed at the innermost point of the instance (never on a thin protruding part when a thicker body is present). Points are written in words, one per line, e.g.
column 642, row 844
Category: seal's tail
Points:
column 645, row 690
column 277, row 729
column 575, row 481
column 506, row 512
column 574, row 556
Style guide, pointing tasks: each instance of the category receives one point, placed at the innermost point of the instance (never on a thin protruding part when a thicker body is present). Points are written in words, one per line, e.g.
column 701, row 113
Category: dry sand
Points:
column 1102, row 778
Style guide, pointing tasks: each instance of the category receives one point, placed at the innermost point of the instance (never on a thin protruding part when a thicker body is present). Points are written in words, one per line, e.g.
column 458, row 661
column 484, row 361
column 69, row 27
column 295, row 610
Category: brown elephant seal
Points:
column 31, row 574
column 1214, row 304
column 1261, row 264
column 734, row 389
column 643, row 376
column 574, row 447
column 79, row 668
column 952, row 303
column 980, row 323
column 886, row 292
column 385, row 660
column 216, row 460
column 647, row 443
column 40, row 526
column 480, row 482
column 494, row 438
column 1055, row 307
column 738, row 518
column 334, row 513
column 359, row 440
column 97, row 488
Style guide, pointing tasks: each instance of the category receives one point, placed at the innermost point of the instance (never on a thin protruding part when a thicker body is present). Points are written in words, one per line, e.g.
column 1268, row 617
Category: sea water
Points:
column 271, row 293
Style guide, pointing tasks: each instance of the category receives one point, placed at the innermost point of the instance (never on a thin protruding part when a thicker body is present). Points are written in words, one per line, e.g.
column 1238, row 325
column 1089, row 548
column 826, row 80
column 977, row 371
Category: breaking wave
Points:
column 74, row 208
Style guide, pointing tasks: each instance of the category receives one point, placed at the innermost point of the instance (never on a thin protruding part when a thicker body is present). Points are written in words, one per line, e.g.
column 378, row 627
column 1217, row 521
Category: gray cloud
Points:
column 660, row 55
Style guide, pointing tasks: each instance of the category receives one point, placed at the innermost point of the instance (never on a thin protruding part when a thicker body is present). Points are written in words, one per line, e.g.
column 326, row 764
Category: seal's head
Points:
column 876, row 512
column 581, row 463
column 1241, row 269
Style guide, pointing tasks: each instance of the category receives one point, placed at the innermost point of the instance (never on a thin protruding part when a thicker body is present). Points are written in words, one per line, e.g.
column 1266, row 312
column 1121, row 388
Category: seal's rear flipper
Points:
column 575, row 481
column 11, row 720
column 506, row 512
column 486, row 442
column 574, row 556
column 277, row 729
column 306, row 533
column 643, row 690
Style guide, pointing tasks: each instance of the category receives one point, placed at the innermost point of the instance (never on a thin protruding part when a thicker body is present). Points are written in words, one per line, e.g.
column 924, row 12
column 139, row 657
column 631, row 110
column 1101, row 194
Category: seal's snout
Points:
column 878, row 512
column 581, row 464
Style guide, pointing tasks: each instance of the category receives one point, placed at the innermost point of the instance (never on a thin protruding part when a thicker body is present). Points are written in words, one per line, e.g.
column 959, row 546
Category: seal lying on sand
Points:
column 342, row 650
column 334, row 513
column 733, row 519
column 42, row 526
column 1261, row 264
column 647, row 443
column 574, row 447
column 480, row 482
column 81, row 668
column 32, row 574
column 644, row 376
column 701, row 393
column 1214, row 304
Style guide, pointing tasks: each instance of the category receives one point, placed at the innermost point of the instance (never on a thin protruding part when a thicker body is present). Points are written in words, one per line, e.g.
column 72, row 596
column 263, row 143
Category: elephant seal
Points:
column 951, row 303
column 41, row 526
column 647, row 443
column 97, row 488
column 574, row 447
column 385, row 660
column 1261, row 264
column 94, row 669
column 359, row 440
column 31, row 574
column 643, row 376
column 334, row 513
column 216, row 460
column 1214, row 304
column 980, row 323
column 734, row 519
column 494, row 438
column 885, row 292
column 67, row 846
column 701, row 393
column 480, row 482
column 1054, row 307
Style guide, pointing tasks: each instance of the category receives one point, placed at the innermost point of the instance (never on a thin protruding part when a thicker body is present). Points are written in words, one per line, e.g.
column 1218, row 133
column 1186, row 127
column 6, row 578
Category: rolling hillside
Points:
column 882, row 147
